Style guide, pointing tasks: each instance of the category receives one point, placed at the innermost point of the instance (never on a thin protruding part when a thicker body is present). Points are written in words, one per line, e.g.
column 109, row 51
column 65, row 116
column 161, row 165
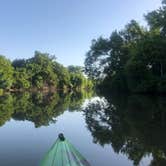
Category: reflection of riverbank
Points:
column 40, row 108
column 133, row 125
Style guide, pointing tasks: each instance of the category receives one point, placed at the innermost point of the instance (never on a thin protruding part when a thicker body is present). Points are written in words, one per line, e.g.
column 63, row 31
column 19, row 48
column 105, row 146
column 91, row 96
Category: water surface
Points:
column 107, row 130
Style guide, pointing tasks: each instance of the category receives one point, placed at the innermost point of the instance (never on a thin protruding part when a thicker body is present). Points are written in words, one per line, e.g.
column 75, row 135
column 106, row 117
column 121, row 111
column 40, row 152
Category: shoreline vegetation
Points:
column 41, row 73
column 132, row 60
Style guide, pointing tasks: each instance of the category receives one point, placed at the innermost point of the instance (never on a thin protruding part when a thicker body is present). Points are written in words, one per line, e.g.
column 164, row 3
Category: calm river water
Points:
column 107, row 130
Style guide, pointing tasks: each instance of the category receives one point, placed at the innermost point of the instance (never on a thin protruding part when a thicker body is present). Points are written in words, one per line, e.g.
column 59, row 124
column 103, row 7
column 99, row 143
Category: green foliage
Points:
column 75, row 69
column 63, row 76
column 132, row 59
column 40, row 69
column 157, row 18
column 6, row 73
column 21, row 79
column 96, row 58
column 89, row 84
column 41, row 72
column 77, row 78
column 1, row 92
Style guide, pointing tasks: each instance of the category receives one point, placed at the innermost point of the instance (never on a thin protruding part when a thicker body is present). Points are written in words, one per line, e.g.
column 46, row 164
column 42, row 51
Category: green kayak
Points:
column 63, row 153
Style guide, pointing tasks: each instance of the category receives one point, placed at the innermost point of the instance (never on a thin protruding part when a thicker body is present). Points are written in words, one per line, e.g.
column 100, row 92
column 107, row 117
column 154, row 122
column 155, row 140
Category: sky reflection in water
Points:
column 123, row 130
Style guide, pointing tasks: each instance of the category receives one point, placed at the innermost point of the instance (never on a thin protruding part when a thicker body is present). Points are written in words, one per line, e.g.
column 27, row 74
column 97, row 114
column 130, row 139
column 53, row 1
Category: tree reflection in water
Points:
column 133, row 125
column 6, row 108
column 39, row 108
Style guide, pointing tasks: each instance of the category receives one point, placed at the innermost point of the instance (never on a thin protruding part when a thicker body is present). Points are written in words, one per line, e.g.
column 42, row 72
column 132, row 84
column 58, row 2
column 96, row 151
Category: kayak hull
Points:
column 63, row 153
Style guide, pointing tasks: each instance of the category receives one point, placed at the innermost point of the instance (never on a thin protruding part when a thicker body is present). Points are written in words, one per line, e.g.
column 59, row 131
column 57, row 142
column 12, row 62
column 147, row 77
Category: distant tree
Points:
column 6, row 73
column 19, row 63
column 21, row 79
column 40, row 70
column 63, row 75
column 75, row 69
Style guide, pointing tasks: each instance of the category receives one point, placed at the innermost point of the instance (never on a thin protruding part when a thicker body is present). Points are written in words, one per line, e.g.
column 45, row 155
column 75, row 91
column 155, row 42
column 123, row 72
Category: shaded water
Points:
column 107, row 130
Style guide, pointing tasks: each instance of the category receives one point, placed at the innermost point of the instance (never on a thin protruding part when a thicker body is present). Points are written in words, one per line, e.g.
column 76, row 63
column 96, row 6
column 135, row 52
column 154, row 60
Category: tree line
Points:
column 40, row 72
column 132, row 59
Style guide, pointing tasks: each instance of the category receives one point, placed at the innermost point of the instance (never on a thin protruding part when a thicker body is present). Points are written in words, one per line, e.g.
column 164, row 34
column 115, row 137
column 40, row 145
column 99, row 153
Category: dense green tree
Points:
column 75, row 69
column 6, row 73
column 78, row 79
column 41, row 72
column 21, row 79
column 132, row 59
column 40, row 69
column 63, row 76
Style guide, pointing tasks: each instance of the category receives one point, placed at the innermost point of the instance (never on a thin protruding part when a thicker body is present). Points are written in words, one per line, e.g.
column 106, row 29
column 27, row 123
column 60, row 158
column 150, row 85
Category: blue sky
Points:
column 64, row 28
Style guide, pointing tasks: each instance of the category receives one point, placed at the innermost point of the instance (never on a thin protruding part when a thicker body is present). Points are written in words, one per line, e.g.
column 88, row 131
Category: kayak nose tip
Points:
column 61, row 137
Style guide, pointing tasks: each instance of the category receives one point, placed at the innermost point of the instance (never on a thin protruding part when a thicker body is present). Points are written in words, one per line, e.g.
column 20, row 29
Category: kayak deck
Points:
column 63, row 153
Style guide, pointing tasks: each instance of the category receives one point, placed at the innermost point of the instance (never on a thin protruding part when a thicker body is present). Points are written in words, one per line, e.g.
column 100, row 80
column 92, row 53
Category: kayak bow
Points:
column 63, row 153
